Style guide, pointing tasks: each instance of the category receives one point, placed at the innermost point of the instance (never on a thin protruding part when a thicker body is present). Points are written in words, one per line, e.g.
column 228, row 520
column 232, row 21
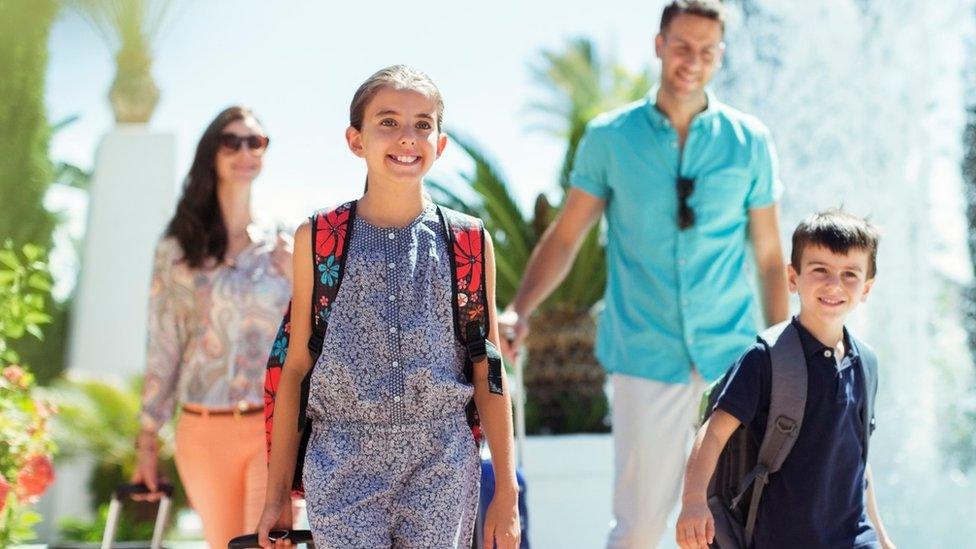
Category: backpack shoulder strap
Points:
column 869, row 369
column 331, row 232
column 787, row 399
column 466, row 238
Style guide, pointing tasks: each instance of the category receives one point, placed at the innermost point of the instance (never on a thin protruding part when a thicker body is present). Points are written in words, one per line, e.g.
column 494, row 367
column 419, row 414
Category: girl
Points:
column 220, row 282
column 391, row 461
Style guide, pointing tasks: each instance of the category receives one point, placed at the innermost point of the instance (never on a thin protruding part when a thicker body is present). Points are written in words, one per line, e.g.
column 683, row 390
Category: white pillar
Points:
column 132, row 197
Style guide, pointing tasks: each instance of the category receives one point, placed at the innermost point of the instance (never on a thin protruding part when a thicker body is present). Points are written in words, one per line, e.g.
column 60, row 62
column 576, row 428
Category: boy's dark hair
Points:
column 709, row 9
column 839, row 232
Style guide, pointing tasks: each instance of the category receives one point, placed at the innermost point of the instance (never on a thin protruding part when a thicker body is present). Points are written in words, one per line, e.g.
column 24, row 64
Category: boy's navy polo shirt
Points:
column 817, row 498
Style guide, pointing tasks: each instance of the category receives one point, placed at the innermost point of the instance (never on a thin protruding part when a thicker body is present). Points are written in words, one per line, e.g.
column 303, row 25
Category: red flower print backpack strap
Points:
column 331, row 230
column 466, row 236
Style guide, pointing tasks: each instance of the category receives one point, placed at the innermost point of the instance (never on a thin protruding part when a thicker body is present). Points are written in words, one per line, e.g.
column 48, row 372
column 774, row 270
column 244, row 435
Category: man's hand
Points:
column 513, row 330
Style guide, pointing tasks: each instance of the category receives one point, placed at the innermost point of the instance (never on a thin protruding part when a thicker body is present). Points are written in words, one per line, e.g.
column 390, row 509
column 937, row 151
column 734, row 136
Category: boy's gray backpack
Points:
column 743, row 468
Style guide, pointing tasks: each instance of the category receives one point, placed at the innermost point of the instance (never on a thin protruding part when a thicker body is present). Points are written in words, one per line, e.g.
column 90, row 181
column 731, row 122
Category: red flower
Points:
column 34, row 478
column 15, row 375
column 4, row 490
column 330, row 233
column 467, row 255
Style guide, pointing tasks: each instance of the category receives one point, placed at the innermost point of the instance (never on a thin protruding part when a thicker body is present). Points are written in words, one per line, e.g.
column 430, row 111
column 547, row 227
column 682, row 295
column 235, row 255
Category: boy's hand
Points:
column 502, row 529
column 696, row 526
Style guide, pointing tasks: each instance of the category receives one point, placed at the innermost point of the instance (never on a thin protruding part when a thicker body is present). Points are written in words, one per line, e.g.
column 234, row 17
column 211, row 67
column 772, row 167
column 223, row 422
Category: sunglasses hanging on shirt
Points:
column 686, row 216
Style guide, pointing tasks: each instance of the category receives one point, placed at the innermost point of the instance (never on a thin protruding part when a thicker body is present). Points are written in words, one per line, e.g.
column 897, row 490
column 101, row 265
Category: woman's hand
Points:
column 147, row 466
column 281, row 257
column 277, row 515
column 502, row 528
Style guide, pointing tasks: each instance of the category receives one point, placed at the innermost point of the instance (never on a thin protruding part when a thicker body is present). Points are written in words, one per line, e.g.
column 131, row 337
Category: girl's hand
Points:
column 276, row 516
column 281, row 257
column 502, row 528
column 696, row 526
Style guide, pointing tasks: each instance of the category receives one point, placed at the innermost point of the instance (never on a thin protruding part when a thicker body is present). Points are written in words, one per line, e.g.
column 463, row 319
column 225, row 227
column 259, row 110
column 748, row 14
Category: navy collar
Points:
column 814, row 347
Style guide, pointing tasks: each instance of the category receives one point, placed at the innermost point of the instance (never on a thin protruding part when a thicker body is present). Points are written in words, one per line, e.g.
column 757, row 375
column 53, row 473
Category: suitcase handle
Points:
column 251, row 540
column 125, row 490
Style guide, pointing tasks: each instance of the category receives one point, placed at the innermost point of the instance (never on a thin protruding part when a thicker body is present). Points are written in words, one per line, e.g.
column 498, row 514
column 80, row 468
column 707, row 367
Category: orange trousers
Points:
column 221, row 462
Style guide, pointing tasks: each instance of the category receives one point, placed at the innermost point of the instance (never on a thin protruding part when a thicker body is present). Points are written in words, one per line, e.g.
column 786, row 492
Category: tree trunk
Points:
column 563, row 380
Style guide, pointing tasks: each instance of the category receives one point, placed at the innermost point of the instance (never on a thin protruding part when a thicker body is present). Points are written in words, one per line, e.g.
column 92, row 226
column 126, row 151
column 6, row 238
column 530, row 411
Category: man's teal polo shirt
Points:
column 676, row 298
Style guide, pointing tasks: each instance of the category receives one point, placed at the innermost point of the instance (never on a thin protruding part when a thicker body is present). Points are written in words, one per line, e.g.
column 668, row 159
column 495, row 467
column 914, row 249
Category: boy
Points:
column 818, row 496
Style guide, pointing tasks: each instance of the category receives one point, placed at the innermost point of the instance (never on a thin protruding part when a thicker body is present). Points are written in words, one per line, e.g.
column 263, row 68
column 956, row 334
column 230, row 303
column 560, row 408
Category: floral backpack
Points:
column 331, row 233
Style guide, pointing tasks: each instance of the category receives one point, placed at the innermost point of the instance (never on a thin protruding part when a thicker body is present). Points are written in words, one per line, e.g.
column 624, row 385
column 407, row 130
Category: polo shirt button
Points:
column 828, row 354
column 392, row 297
column 682, row 262
column 396, row 399
column 684, row 302
column 395, row 364
column 674, row 144
column 392, row 236
column 392, row 265
column 393, row 330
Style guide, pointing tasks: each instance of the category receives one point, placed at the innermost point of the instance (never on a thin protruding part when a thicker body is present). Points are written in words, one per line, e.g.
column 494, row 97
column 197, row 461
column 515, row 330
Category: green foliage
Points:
column 25, row 170
column 98, row 419
column 130, row 528
column 580, row 85
column 25, row 442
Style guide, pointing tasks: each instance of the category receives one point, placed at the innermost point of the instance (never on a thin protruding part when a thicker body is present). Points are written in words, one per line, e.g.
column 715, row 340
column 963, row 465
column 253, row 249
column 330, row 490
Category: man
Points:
column 685, row 183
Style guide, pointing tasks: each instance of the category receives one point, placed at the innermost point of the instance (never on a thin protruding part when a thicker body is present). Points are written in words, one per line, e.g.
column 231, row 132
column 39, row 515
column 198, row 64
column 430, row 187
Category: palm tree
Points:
column 131, row 27
column 564, row 382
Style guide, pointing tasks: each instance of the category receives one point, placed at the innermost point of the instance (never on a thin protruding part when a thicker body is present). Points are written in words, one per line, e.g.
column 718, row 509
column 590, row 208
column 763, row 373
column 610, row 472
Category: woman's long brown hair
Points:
column 198, row 224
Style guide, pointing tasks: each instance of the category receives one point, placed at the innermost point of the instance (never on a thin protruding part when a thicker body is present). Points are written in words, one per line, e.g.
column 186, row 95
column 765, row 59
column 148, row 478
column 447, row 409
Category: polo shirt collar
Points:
column 660, row 120
column 813, row 347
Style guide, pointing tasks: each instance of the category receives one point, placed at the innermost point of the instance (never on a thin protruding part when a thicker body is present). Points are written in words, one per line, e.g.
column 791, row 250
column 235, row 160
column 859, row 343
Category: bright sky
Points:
column 298, row 63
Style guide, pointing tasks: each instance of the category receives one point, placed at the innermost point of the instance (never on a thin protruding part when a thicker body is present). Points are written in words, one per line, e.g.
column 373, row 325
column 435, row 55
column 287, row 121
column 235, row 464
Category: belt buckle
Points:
column 239, row 409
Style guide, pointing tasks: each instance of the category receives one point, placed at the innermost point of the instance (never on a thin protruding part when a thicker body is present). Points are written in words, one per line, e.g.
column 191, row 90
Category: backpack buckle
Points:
column 785, row 424
column 475, row 342
column 477, row 350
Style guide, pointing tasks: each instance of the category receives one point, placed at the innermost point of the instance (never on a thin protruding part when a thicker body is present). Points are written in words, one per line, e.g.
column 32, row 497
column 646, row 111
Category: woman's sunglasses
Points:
column 233, row 142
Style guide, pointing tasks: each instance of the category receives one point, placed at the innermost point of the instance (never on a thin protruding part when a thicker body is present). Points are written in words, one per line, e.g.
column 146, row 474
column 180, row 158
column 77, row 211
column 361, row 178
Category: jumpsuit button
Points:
column 392, row 236
column 396, row 399
column 392, row 265
column 392, row 297
column 395, row 364
column 393, row 330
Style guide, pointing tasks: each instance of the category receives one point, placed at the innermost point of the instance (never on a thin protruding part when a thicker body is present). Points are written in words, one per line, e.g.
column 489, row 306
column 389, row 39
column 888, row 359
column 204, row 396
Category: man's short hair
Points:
column 709, row 9
column 839, row 232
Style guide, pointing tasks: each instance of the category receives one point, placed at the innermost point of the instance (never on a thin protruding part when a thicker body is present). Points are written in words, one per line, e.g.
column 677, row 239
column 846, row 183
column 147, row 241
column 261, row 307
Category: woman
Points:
column 220, row 284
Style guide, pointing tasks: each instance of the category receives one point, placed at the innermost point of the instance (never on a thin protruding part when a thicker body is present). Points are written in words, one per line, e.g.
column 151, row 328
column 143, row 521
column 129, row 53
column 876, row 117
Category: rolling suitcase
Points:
column 250, row 541
column 115, row 509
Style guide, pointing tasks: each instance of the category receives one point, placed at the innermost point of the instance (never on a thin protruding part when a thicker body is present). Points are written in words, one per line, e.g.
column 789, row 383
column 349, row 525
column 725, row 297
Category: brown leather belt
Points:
column 242, row 409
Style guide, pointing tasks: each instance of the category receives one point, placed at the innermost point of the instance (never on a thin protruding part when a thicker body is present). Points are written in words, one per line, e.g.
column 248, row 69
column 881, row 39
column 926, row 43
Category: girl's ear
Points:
column 441, row 143
column 354, row 138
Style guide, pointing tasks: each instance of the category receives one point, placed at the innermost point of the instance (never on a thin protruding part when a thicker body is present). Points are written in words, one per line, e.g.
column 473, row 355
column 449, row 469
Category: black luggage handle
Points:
column 250, row 541
column 124, row 490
